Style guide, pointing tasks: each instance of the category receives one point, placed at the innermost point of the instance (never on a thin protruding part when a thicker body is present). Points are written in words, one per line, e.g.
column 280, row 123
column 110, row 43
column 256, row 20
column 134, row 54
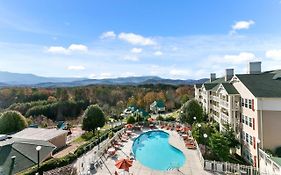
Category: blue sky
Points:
column 111, row 38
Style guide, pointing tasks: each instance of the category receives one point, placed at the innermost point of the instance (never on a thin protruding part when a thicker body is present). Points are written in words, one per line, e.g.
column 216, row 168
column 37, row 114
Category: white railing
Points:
column 225, row 167
column 267, row 165
column 224, row 104
column 224, row 117
column 94, row 156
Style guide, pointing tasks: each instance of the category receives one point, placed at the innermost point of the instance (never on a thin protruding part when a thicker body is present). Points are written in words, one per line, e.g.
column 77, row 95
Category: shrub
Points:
column 170, row 119
column 160, row 118
column 278, row 151
column 131, row 120
column 190, row 110
column 58, row 110
column 87, row 135
column 12, row 121
column 93, row 118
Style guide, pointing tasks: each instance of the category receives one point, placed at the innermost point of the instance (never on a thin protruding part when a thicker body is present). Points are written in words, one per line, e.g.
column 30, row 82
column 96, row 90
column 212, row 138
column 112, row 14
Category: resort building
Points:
column 19, row 154
column 250, row 103
column 57, row 137
column 158, row 106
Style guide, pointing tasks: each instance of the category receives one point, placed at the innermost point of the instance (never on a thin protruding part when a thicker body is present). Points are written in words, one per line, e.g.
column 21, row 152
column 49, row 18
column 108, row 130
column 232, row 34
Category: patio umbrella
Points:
column 124, row 164
column 129, row 126
column 185, row 129
column 151, row 119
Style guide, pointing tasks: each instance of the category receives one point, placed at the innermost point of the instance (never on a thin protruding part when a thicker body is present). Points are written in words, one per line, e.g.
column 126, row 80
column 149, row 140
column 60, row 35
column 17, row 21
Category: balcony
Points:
column 216, row 118
column 224, row 117
column 224, row 104
column 216, row 108
column 215, row 98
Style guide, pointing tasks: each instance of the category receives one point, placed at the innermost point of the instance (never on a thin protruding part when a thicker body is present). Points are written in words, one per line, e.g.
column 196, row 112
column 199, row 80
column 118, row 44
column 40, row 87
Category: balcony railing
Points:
column 224, row 103
column 224, row 117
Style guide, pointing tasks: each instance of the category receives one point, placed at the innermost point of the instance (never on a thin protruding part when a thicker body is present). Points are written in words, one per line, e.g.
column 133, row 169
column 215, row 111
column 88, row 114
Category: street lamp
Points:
column 258, row 154
column 194, row 118
column 38, row 148
column 205, row 135
column 12, row 165
column 98, row 129
column 111, row 122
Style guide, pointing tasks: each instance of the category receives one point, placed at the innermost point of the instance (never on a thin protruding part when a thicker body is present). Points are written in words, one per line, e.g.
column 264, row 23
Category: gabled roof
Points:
column 158, row 104
column 262, row 85
column 39, row 133
column 25, row 152
column 209, row 86
column 198, row 85
column 230, row 89
column 218, row 80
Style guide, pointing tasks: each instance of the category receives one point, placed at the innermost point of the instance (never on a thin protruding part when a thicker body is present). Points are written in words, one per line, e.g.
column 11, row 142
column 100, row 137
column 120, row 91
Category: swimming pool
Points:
column 153, row 150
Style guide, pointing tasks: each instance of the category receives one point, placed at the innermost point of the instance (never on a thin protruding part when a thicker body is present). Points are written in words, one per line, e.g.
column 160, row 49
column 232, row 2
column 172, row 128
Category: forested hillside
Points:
column 68, row 103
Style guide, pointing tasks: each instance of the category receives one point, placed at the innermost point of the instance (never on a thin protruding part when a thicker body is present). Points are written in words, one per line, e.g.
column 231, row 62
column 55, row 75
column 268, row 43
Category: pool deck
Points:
column 192, row 164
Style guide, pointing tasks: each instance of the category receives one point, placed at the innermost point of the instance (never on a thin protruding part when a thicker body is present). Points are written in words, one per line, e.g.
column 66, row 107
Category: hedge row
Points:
column 24, row 107
column 58, row 110
column 71, row 157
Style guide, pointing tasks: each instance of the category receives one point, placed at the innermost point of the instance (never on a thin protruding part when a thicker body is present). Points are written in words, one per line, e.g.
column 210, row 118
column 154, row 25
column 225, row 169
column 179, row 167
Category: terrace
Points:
column 102, row 161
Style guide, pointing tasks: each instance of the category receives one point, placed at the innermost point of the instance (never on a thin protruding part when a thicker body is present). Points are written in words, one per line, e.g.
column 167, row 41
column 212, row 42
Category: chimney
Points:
column 229, row 73
column 212, row 77
column 254, row 67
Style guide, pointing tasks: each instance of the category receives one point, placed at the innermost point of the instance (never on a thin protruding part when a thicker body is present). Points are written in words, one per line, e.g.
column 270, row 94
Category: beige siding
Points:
column 271, row 121
column 59, row 141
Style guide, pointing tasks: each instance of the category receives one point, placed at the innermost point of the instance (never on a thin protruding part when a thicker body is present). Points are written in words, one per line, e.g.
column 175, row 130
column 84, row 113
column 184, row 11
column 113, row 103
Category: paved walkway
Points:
column 192, row 165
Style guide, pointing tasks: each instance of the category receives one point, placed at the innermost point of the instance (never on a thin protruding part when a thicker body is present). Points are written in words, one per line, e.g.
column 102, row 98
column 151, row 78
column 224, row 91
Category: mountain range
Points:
column 8, row 79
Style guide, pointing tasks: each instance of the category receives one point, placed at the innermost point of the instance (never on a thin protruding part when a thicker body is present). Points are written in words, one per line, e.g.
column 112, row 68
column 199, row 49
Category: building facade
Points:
column 250, row 103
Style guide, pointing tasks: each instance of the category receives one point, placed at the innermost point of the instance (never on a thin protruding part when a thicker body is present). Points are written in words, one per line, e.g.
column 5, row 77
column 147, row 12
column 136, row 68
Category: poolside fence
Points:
column 94, row 157
column 225, row 167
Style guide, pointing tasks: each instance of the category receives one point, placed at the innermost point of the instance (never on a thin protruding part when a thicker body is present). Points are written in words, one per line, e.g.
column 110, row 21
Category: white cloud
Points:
column 78, row 47
column 243, row 25
column 136, row 50
column 179, row 72
column 105, row 75
column 242, row 57
column 57, row 49
column 136, row 39
column 128, row 74
column 131, row 58
column 80, row 67
column 72, row 48
column 92, row 76
column 274, row 54
column 158, row 53
column 108, row 35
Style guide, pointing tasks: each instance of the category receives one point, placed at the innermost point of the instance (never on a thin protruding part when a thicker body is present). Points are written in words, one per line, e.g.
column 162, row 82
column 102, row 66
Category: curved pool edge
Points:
column 170, row 142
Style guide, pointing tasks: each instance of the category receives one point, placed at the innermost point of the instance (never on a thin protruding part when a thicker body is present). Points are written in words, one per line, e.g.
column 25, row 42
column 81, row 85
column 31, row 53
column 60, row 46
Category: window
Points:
column 247, row 137
column 243, row 120
column 251, row 140
column 242, row 101
column 246, row 120
column 250, row 122
column 250, row 104
column 246, row 103
column 243, row 135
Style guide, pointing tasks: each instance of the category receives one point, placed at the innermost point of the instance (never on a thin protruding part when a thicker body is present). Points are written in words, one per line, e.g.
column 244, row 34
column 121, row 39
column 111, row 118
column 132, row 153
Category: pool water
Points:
column 153, row 150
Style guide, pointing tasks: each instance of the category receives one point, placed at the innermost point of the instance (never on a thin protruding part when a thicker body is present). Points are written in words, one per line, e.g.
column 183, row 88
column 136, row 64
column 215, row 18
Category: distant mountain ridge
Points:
column 30, row 80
